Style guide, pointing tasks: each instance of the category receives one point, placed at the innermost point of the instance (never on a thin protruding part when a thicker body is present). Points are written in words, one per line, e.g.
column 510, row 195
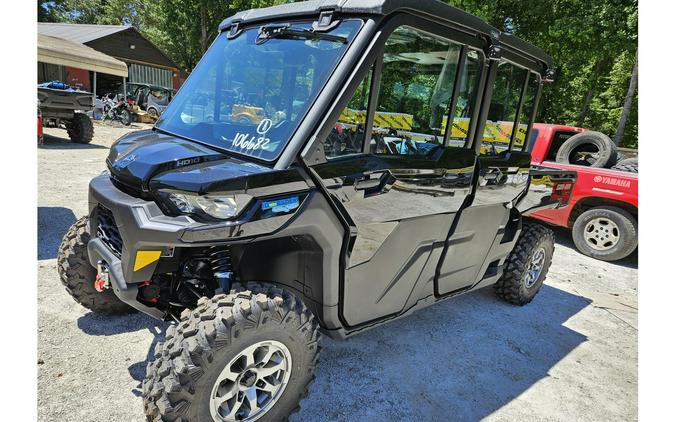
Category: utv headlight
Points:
column 218, row 206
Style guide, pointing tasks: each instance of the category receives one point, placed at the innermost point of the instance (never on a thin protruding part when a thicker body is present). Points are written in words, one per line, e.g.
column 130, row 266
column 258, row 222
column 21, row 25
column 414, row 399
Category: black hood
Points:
column 148, row 159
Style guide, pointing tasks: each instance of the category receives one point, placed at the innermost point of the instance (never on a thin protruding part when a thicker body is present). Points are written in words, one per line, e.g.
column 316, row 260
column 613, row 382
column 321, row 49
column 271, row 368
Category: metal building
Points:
column 146, row 63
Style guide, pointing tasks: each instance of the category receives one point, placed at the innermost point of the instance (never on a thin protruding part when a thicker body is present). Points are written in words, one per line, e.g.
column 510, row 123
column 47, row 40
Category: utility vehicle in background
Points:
column 603, row 205
column 59, row 103
column 255, row 235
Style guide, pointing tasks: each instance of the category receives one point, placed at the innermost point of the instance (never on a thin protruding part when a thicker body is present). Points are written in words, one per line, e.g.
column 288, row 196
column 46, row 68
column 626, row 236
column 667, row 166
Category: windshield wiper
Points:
column 286, row 31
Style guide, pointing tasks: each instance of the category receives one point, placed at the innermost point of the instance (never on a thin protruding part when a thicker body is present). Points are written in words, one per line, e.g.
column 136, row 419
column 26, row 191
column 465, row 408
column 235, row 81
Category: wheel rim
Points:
column 601, row 234
column 535, row 267
column 251, row 383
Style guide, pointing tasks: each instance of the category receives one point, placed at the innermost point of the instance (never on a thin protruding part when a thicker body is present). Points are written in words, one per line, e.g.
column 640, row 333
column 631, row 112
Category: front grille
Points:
column 107, row 231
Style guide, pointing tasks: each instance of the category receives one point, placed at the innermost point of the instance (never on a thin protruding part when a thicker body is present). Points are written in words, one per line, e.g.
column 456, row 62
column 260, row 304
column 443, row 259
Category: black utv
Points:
column 382, row 166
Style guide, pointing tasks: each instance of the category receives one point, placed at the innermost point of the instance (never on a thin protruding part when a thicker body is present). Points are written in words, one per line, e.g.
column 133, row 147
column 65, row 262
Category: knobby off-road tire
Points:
column 605, row 233
column 526, row 267
column 80, row 128
column 78, row 276
column 629, row 164
column 606, row 155
column 181, row 380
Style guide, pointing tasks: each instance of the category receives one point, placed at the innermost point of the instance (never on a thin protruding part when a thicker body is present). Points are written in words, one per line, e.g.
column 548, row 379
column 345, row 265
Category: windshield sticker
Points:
column 251, row 142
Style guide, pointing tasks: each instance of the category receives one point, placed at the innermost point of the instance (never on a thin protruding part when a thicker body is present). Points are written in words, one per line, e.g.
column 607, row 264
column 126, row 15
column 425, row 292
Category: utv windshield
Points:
column 248, row 94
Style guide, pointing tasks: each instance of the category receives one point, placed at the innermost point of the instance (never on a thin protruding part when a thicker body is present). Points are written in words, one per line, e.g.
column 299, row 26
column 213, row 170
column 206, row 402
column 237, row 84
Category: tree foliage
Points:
column 593, row 43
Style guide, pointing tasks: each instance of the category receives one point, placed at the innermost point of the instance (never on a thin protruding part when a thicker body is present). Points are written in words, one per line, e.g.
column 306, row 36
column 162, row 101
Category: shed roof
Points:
column 105, row 38
column 68, row 53
column 79, row 32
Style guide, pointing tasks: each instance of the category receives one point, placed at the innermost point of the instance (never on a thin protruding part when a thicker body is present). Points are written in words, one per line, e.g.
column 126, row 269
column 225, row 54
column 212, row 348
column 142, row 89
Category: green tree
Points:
column 593, row 44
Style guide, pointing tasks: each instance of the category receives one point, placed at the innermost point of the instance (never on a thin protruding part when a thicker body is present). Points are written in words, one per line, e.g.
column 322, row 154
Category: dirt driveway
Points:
column 570, row 355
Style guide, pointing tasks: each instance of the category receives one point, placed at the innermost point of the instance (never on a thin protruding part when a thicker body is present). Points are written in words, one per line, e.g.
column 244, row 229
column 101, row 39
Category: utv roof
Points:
column 432, row 9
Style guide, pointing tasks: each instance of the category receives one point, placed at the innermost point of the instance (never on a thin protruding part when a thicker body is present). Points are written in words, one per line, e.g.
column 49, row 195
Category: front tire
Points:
column 527, row 265
column 215, row 364
column 605, row 233
column 78, row 276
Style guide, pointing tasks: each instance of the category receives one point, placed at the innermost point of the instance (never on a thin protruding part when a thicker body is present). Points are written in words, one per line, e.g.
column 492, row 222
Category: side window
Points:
column 526, row 111
column 466, row 99
column 506, row 93
column 416, row 87
column 349, row 131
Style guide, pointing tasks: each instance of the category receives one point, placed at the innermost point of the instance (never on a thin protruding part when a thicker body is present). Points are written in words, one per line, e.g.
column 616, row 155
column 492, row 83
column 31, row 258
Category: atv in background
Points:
column 62, row 104
column 336, row 197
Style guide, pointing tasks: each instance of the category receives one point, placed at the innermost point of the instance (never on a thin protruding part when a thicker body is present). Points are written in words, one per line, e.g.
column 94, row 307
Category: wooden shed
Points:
column 146, row 63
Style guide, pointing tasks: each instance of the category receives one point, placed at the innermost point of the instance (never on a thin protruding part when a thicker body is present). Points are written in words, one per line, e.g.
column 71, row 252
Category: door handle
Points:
column 374, row 183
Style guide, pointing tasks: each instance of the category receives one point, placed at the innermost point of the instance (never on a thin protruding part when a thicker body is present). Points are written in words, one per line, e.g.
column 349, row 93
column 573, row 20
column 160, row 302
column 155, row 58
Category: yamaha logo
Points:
column 613, row 181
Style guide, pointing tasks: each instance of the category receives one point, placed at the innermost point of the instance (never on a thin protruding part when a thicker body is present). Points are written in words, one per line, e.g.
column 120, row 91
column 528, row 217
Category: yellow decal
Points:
column 145, row 258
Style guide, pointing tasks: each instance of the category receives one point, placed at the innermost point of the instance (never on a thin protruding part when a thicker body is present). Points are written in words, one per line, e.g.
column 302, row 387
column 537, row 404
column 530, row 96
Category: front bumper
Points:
column 141, row 225
column 144, row 228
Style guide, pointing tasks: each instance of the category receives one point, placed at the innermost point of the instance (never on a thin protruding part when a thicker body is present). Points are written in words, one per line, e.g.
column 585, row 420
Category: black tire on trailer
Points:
column 258, row 345
column 629, row 164
column 78, row 276
column 605, row 233
column 588, row 148
column 80, row 128
column 527, row 265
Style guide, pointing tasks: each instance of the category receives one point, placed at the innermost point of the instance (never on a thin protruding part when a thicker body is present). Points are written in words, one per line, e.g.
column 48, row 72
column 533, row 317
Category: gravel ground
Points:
column 570, row 355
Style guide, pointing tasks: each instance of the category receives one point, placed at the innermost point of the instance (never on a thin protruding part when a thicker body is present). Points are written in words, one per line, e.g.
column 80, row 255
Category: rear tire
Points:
column 125, row 117
column 605, row 233
column 211, row 342
column 527, row 265
column 80, row 128
column 78, row 276
column 570, row 151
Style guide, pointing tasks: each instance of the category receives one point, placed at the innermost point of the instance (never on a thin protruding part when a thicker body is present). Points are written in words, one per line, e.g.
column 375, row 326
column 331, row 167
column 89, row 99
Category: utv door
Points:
column 482, row 236
column 396, row 171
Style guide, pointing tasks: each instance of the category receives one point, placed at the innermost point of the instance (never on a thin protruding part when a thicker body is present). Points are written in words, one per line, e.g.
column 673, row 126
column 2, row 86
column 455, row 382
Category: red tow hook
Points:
column 102, row 281
column 99, row 284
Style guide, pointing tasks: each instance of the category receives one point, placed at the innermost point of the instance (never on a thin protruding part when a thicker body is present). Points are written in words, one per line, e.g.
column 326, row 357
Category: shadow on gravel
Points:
column 53, row 223
column 458, row 360
column 102, row 325
column 564, row 237
column 137, row 370
column 95, row 324
column 57, row 142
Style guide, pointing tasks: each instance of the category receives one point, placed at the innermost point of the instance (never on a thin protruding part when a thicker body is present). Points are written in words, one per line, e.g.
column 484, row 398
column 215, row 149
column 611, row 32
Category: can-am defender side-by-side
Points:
column 382, row 166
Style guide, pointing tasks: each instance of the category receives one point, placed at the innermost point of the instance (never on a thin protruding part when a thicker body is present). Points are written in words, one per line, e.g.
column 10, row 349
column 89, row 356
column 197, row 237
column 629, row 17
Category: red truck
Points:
column 603, row 206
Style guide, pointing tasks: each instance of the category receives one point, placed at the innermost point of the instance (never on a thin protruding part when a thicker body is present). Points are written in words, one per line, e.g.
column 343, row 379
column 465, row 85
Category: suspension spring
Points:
column 221, row 265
